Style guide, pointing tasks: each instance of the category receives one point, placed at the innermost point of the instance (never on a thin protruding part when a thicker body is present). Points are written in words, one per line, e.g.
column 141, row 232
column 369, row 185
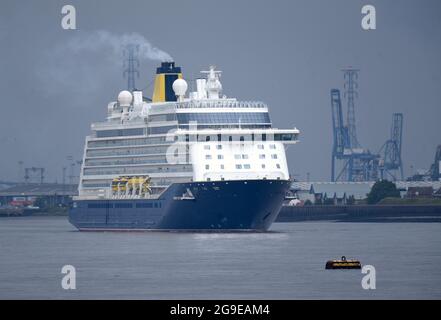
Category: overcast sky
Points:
column 285, row 53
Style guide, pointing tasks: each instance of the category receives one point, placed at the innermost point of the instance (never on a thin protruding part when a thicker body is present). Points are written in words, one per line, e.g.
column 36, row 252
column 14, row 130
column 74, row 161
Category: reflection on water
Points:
column 241, row 236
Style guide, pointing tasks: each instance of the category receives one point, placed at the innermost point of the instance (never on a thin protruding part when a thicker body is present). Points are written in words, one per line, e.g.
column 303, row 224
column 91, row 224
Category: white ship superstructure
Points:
column 200, row 137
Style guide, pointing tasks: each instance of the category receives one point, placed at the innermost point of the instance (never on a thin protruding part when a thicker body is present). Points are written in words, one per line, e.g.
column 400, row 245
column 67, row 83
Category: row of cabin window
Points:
column 127, row 142
column 124, row 205
column 254, row 137
column 238, row 156
column 259, row 146
column 277, row 137
column 240, row 166
column 124, row 170
column 225, row 117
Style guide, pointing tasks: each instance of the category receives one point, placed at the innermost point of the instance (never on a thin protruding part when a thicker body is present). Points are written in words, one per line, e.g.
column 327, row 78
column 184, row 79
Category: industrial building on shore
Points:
column 25, row 194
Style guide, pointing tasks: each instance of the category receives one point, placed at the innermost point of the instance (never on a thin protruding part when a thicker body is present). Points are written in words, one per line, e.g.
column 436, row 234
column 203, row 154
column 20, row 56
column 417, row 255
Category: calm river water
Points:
column 286, row 263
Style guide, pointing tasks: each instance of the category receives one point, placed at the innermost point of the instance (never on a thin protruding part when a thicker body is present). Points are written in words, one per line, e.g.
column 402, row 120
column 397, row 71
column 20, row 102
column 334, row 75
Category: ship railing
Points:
column 222, row 103
column 135, row 197
column 112, row 197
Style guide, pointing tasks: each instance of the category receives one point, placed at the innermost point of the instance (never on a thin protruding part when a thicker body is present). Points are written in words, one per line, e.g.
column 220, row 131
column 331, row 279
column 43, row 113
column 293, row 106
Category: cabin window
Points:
column 208, row 156
column 272, row 146
column 278, row 166
column 263, row 166
column 222, row 166
column 261, row 156
column 207, row 147
column 274, row 156
column 144, row 205
column 207, row 166
column 220, row 156
column 123, row 205
column 260, row 146
column 246, row 166
column 99, row 205
column 238, row 166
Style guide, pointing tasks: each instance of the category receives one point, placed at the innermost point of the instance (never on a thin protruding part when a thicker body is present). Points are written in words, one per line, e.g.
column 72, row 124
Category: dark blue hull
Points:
column 222, row 205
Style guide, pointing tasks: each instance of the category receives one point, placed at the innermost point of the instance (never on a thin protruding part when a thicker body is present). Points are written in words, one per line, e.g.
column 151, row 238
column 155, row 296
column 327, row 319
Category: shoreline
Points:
column 387, row 213
column 362, row 213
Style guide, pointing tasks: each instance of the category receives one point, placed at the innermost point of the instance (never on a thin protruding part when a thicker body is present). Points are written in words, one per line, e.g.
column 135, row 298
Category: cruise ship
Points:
column 183, row 161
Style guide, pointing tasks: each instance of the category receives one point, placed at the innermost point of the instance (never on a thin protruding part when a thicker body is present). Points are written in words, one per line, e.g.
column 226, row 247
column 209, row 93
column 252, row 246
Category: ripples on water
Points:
column 285, row 263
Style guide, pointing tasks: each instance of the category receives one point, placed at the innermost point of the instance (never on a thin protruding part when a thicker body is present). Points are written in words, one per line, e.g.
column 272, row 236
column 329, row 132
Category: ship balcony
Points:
column 118, row 125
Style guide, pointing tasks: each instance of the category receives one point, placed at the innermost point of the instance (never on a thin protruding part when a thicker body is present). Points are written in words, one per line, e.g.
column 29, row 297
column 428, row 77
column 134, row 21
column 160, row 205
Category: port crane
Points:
column 436, row 166
column 350, row 161
column 391, row 150
column 354, row 162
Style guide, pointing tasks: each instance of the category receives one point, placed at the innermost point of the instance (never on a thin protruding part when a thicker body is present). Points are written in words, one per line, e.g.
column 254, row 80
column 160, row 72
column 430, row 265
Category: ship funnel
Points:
column 166, row 74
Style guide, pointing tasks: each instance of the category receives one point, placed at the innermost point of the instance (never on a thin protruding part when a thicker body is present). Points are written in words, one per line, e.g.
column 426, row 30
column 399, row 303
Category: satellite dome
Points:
column 125, row 98
column 180, row 87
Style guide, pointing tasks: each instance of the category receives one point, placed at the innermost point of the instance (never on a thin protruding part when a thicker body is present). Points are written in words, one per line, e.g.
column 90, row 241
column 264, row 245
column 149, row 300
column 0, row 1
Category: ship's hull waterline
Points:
column 245, row 205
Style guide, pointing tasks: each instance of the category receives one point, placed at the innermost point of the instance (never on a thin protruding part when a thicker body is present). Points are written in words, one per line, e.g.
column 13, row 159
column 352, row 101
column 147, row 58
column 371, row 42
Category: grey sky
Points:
column 286, row 53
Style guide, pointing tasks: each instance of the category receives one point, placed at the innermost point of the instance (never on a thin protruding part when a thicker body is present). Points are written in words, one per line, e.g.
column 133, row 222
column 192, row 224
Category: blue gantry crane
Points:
column 391, row 163
column 352, row 161
column 341, row 139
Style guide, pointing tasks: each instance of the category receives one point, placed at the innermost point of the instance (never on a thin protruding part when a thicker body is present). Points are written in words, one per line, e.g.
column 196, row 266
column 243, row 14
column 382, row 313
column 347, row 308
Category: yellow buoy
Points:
column 343, row 263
